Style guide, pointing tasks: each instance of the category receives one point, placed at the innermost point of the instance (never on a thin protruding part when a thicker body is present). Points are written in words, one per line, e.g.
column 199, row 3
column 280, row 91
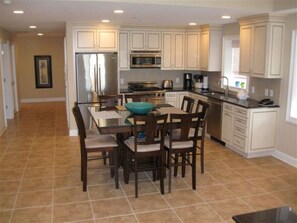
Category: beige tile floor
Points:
column 40, row 181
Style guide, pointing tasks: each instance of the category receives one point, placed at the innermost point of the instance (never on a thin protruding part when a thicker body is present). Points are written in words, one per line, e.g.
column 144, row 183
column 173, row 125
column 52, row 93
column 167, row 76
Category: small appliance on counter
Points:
column 167, row 84
column 188, row 82
column 205, row 83
column 198, row 81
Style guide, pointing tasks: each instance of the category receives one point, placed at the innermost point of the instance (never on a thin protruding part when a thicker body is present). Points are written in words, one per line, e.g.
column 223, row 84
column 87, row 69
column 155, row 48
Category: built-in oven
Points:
column 145, row 59
column 149, row 91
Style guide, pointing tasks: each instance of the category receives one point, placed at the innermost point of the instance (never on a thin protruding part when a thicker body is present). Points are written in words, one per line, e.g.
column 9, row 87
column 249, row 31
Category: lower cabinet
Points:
column 197, row 97
column 250, row 132
column 171, row 98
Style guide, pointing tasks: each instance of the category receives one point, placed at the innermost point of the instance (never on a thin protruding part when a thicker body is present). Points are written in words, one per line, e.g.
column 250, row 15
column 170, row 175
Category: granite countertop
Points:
column 249, row 103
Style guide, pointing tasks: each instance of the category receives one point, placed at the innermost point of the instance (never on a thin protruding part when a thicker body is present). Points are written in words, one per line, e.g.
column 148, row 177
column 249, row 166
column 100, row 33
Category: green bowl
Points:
column 139, row 108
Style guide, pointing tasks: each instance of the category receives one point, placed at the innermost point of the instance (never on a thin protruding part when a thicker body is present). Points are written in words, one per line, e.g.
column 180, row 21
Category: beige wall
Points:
column 287, row 132
column 26, row 48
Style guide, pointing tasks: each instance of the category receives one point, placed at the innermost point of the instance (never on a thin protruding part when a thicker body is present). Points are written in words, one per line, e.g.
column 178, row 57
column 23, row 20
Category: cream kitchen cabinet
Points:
column 250, row 132
column 211, row 48
column 192, row 50
column 124, row 61
column 173, row 50
column 145, row 40
column 227, row 123
column 94, row 40
column 261, row 45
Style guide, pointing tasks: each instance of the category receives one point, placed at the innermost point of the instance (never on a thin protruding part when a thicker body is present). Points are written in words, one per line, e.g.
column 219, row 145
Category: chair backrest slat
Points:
column 187, row 104
column 152, row 129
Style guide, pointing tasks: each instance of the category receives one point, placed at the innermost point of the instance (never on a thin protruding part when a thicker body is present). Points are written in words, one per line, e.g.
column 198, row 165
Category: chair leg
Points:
column 194, row 170
column 161, row 171
column 183, row 164
column 202, row 156
column 136, row 176
column 115, row 166
column 111, row 163
column 85, row 172
column 155, row 167
column 126, row 166
column 169, row 172
column 104, row 157
column 176, row 164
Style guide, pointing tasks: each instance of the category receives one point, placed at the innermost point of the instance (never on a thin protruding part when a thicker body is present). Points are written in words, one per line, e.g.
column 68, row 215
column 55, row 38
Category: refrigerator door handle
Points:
column 99, row 81
column 95, row 80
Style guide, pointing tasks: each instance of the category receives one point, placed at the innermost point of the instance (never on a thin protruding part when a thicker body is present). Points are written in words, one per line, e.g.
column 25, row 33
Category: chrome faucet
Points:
column 227, row 87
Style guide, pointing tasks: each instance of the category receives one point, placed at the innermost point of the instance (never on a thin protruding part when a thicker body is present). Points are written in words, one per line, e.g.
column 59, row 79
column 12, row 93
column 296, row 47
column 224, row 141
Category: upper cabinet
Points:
column 124, row 62
column 261, row 45
column 173, row 50
column 145, row 40
column 92, row 40
column 211, row 48
column 192, row 51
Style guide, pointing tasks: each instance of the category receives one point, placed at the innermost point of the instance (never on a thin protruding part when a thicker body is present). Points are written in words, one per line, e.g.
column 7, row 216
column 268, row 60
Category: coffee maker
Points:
column 188, row 82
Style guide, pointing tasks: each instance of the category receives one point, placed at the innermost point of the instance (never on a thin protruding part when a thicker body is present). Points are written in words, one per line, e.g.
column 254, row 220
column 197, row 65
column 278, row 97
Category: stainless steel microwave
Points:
column 145, row 59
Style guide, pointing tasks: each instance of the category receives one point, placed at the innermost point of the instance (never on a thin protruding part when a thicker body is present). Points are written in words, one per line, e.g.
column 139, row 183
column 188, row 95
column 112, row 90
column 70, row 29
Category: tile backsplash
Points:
column 260, row 84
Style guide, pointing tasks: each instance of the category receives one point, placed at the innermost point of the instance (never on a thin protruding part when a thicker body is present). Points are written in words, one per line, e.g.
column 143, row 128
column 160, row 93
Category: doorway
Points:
column 9, row 80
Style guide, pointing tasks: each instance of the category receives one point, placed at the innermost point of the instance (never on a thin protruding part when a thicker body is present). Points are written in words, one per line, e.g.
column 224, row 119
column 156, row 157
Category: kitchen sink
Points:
column 214, row 93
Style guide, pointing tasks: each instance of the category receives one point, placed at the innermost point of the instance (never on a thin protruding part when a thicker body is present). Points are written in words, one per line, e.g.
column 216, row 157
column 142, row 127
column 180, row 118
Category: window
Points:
column 292, row 92
column 230, row 63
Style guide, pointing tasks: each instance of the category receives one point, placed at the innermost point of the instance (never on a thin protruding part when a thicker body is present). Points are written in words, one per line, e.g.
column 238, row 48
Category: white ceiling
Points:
column 50, row 16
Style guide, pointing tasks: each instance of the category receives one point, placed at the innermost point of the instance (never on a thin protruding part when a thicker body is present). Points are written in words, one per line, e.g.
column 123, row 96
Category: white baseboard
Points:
column 73, row 132
column 286, row 158
column 38, row 100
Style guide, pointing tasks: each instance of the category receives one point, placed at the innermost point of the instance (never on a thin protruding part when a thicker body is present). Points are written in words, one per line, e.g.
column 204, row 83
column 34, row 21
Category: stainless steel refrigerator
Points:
column 96, row 73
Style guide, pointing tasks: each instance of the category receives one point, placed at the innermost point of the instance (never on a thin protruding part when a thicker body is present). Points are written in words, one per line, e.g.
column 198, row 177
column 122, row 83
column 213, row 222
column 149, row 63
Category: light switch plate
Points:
column 122, row 81
column 177, row 80
column 266, row 92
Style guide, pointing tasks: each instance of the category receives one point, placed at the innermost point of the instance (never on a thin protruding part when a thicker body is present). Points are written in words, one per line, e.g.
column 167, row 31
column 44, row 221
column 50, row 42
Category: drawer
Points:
column 240, row 121
column 240, row 111
column 228, row 107
column 240, row 129
column 170, row 94
column 239, row 142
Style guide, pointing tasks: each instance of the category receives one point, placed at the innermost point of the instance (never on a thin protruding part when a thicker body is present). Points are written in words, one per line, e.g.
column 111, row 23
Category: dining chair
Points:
column 104, row 144
column 147, row 143
column 202, row 110
column 135, row 98
column 182, row 145
column 109, row 101
column 187, row 104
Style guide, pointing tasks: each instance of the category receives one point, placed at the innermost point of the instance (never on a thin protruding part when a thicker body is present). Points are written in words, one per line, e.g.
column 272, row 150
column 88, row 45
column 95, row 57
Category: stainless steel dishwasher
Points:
column 214, row 121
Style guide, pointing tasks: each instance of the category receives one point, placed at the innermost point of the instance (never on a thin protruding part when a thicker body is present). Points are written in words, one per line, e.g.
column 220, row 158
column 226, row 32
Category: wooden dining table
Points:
column 119, row 121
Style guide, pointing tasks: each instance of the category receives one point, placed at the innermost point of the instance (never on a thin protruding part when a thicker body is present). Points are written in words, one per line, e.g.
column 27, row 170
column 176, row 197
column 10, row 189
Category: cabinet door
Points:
column 85, row 39
column 153, row 41
column 107, row 40
column 245, row 49
column 167, row 40
column 137, row 40
column 204, row 50
column 263, row 130
column 124, row 51
column 178, row 50
column 259, row 49
column 192, row 50
column 227, row 127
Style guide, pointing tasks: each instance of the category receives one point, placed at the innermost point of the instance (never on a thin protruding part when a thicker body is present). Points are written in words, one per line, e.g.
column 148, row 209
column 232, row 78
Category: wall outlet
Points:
column 271, row 93
column 177, row 80
column 266, row 92
column 253, row 89
column 122, row 81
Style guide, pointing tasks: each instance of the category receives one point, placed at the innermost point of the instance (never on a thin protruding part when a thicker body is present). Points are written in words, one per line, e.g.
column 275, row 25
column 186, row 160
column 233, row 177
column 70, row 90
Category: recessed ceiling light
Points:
column 192, row 23
column 118, row 11
column 32, row 27
column 39, row 34
column 226, row 17
column 18, row 12
column 105, row 20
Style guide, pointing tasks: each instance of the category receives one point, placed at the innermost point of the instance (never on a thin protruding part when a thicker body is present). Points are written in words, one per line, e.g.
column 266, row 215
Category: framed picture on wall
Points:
column 43, row 72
